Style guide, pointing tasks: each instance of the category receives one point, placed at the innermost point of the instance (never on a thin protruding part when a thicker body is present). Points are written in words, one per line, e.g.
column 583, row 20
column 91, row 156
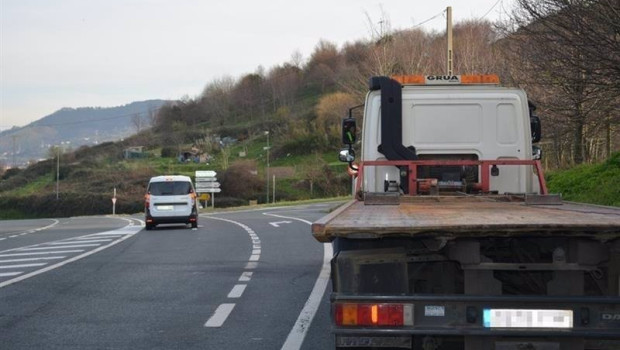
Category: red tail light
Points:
column 381, row 315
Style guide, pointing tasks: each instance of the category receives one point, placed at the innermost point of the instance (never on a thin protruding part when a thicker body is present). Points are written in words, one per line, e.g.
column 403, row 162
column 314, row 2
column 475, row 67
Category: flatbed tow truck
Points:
column 452, row 241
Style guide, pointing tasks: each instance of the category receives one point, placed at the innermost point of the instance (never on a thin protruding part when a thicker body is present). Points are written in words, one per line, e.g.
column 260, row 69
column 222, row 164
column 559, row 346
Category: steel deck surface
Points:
column 453, row 217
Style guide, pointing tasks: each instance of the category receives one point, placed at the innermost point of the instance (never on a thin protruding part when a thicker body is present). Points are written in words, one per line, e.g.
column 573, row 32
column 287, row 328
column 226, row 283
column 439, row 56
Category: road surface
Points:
column 251, row 279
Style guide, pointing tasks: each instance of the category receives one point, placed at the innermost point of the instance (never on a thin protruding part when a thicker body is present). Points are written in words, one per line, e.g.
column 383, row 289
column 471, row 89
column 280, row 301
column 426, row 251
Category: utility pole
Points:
column 14, row 150
column 57, row 169
column 449, row 63
column 267, row 175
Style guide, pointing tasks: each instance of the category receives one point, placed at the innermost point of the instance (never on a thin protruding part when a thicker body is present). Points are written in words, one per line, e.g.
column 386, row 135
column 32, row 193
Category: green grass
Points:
column 589, row 183
column 33, row 187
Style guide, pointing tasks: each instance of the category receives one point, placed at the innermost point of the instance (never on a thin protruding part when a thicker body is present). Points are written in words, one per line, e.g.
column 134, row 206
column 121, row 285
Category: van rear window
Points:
column 171, row 188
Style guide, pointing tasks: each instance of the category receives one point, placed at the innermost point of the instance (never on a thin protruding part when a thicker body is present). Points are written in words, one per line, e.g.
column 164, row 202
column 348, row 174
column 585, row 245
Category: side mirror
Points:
column 346, row 155
column 536, row 129
column 348, row 131
column 536, row 153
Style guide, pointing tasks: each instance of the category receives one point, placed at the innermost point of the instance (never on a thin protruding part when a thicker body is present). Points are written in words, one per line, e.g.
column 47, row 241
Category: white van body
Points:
column 170, row 199
column 456, row 123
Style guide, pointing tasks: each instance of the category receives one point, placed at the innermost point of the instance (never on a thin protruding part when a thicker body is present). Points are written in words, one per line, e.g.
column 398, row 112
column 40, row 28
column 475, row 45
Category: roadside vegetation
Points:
column 589, row 183
column 284, row 121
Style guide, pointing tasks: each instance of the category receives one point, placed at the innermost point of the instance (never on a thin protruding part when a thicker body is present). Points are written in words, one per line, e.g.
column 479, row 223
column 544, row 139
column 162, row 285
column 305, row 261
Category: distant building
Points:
column 134, row 153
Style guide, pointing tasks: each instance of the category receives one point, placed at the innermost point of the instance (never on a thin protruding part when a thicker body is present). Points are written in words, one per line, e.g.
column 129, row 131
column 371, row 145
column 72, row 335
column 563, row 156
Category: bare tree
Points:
column 559, row 52
column 137, row 122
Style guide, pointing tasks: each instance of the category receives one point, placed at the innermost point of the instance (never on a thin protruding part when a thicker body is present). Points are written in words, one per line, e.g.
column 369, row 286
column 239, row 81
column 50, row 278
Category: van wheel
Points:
column 149, row 227
column 195, row 224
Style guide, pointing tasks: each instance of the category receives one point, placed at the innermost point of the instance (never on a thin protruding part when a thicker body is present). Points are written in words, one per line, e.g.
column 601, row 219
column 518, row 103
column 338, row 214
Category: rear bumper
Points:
column 463, row 315
column 184, row 219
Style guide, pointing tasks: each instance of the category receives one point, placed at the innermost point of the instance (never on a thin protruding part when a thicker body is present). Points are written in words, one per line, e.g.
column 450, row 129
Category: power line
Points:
column 430, row 19
column 491, row 9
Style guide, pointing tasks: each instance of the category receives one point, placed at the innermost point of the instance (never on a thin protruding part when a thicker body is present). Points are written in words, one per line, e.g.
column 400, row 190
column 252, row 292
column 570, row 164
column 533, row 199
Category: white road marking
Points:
column 58, row 247
column 32, row 259
column 21, row 266
column 297, row 334
column 246, row 276
column 80, row 241
column 278, row 223
column 237, row 291
column 220, row 315
column 21, row 233
column 88, row 239
column 10, row 274
column 41, row 253
column 128, row 231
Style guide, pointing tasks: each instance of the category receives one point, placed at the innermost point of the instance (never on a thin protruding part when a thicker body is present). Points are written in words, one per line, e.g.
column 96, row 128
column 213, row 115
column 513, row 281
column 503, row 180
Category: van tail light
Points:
column 379, row 315
column 147, row 200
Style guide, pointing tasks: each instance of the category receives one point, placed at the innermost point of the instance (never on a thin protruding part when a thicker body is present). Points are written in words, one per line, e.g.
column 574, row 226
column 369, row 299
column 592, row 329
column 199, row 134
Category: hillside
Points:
column 75, row 127
column 285, row 121
column 589, row 183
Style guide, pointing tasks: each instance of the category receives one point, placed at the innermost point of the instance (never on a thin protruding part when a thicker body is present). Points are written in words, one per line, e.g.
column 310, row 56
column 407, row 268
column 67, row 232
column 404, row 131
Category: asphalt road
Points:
column 242, row 280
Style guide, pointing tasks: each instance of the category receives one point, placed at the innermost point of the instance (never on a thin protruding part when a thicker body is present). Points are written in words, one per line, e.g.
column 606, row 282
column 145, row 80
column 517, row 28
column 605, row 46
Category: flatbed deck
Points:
column 453, row 217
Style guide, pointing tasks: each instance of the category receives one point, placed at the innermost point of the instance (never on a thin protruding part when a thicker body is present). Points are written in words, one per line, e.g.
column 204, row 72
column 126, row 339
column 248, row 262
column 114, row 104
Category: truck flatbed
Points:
column 453, row 217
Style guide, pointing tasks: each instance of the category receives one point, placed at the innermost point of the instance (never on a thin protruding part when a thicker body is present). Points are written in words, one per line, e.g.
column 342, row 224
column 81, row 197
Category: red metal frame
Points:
column 485, row 169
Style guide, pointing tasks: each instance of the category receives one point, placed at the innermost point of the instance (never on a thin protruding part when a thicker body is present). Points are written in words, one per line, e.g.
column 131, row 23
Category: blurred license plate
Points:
column 520, row 318
column 165, row 207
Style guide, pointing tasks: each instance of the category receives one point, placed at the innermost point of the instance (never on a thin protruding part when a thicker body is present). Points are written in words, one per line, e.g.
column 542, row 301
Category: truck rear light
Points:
column 380, row 315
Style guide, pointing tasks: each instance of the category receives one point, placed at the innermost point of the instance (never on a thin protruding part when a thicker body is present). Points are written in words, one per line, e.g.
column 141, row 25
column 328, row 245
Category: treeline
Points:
column 565, row 54
column 302, row 102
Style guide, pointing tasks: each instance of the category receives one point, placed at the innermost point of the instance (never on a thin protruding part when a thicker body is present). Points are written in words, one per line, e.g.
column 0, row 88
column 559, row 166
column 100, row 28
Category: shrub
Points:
column 168, row 152
column 227, row 202
column 240, row 181
column 10, row 173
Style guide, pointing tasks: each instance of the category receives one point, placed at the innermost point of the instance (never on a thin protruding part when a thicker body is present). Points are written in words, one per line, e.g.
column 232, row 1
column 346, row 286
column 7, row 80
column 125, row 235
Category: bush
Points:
column 168, row 152
column 68, row 204
column 589, row 183
column 10, row 173
column 240, row 181
column 227, row 202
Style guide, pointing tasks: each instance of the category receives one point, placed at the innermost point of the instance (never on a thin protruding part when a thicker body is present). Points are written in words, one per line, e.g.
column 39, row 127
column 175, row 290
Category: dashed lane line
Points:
column 246, row 276
column 224, row 310
column 219, row 317
column 21, row 233
column 237, row 291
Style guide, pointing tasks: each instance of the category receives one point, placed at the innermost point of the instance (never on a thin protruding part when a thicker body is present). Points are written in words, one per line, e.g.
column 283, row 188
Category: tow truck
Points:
column 452, row 240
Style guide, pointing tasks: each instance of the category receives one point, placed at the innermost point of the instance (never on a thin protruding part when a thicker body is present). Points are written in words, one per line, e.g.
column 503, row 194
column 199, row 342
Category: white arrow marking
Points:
column 278, row 223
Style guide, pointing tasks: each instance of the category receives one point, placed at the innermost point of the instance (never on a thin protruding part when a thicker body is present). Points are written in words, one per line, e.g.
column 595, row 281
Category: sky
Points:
column 105, row 53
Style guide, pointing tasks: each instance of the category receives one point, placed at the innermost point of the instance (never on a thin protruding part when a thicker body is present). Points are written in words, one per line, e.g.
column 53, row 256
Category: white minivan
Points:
column 170, row 199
